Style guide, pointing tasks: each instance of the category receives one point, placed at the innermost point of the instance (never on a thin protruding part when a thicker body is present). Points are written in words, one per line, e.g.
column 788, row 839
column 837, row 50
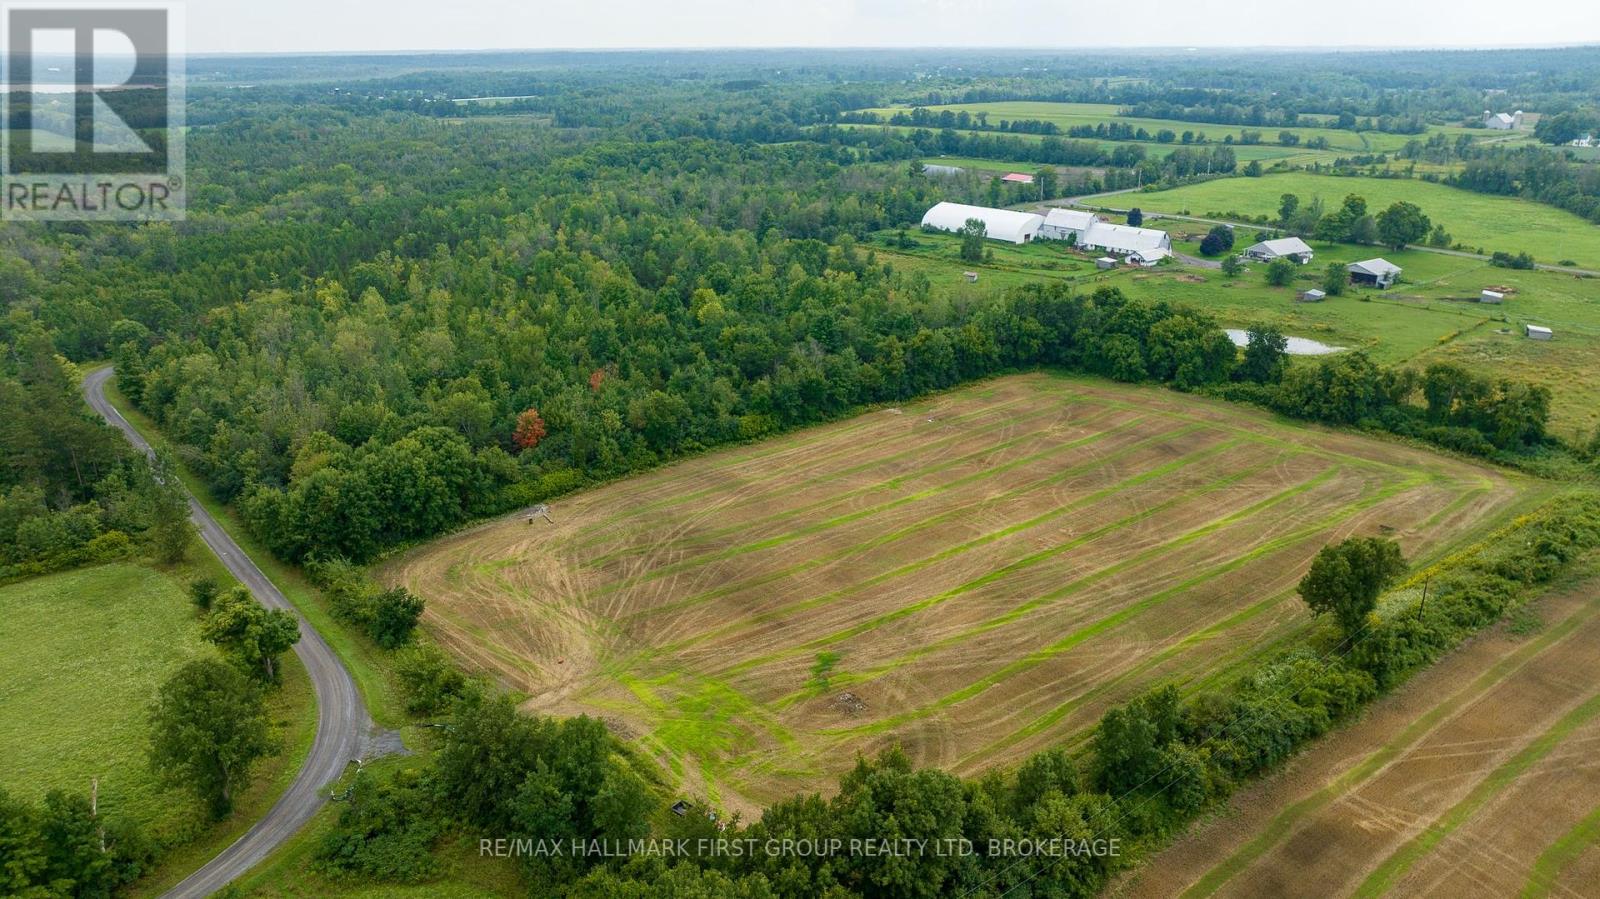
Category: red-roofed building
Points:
column 1018, row 178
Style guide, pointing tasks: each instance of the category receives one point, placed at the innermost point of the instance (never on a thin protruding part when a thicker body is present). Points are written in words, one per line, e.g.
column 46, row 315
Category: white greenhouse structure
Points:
column 1001, row 224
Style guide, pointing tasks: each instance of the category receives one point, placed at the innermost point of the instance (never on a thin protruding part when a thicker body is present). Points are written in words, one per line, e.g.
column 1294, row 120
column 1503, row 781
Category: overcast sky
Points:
column 333, row 25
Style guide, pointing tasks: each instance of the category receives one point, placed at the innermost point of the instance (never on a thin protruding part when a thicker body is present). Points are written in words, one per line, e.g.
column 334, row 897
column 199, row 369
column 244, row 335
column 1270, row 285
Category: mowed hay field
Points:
column 1511, row 224
column 975, row 576
column 1480, row 778
column 82, row 654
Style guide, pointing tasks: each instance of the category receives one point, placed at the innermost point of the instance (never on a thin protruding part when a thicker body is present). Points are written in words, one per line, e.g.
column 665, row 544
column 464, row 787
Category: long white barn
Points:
column 1066, row 224
column 1001, row 224
column 1144, row 246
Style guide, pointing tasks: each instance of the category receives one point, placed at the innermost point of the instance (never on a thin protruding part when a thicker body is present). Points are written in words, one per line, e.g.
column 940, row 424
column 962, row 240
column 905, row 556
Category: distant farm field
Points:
column 974, row 576
column 1152, row 149
column 1434, row 315
column 1476, row 779
column 1067, row 115
column 81, row 656
column 1512, row 224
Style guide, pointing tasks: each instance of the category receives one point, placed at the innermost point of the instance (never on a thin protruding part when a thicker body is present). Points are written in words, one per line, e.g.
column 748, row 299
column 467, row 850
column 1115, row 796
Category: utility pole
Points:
column 94, row 810
column 1423, row 606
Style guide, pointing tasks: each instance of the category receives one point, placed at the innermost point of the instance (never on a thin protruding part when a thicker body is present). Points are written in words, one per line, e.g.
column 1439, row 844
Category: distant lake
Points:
column 1298, row 346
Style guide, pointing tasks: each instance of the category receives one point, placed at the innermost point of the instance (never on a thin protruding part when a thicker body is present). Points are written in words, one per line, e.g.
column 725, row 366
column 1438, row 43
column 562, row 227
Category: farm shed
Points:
column 1313, row 296
column 1142, row 246
column 1105, row 262
column 1379, row 273
column 1002, row 224
column 1494, row 297
column 1017, row 178
column 941, row 170
column 1066, row 224
column 1539, row 332
column 1291, row 248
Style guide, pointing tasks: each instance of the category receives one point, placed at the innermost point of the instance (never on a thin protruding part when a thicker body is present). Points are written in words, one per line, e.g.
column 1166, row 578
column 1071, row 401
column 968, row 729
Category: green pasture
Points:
column 81, row 656
column 1475, row 220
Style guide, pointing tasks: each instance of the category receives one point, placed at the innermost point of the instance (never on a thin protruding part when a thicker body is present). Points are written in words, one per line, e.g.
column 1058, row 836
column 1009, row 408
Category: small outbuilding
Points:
column 1379, row 273
column 1313, row 295
column 1291, row 248
column 1538, row 332
column 1105, row 262
column 1017, row 178
column 1493, row 297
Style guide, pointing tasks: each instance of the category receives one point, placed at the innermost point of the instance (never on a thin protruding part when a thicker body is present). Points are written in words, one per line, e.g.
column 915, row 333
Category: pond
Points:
column 1298, row 346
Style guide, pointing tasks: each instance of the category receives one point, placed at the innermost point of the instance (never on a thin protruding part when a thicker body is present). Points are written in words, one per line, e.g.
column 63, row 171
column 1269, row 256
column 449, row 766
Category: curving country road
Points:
column 344, row 728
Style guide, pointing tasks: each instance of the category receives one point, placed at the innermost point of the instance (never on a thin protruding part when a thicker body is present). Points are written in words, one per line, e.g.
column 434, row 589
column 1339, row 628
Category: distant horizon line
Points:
column 1127, row 48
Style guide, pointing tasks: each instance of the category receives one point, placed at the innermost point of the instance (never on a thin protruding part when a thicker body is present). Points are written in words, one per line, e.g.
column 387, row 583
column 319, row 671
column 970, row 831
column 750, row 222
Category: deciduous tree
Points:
column 1401, row 224
column 1346, row 579
column 208, row 728
column 252, row 634
column 530, row 428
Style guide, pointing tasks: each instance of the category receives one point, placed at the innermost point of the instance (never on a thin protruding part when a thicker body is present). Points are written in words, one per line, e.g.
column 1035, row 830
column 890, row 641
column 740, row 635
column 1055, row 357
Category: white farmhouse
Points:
column 1291, row 248
column 1066, row 224
column 1001, row 224
column 1141, row 246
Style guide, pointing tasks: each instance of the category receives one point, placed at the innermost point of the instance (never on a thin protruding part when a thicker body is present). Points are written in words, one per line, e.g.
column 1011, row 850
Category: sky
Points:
column 258, row 26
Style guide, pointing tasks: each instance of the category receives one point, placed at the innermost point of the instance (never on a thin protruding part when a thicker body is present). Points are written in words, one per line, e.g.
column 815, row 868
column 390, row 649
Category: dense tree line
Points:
column 1126, row 165
column 1446, row 405
column 345, row 427
column 1536, row 174
column 71, row 489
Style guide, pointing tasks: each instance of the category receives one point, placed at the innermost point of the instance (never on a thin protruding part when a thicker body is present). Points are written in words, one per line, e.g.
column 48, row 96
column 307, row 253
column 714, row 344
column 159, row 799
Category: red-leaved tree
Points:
column 529, row 431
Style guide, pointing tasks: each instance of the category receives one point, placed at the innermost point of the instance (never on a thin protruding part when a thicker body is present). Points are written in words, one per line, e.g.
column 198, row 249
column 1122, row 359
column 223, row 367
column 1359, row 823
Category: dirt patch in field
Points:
column 984, row 572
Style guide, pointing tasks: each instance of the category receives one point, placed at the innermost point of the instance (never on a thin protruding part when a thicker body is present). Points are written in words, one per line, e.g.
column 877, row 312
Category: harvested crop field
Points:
column 1478, row 778
column 975, row 576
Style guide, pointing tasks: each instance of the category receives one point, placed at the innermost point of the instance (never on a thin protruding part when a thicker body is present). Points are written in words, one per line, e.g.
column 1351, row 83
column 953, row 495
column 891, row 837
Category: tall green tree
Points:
column 1266, row 353
column 250, row 633
column 1346, row 579
column 1335, row 278
column 1288, row 204
column 208, row 729
column 1401, row 224
column 973, row 234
